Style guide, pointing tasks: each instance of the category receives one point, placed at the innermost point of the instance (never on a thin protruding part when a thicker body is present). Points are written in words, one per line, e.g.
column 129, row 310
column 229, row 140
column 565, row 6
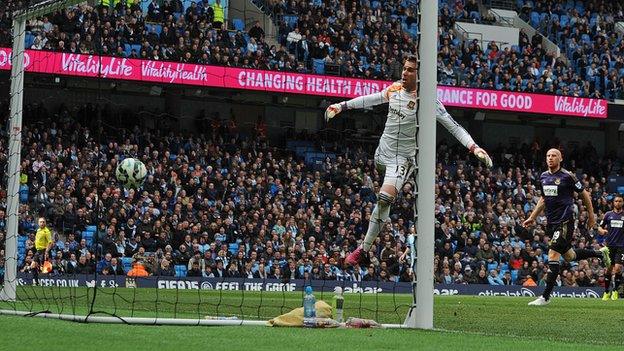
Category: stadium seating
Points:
column 180, row 271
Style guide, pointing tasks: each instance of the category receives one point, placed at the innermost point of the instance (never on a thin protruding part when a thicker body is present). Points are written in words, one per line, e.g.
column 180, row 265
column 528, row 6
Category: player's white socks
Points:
column 381, row 214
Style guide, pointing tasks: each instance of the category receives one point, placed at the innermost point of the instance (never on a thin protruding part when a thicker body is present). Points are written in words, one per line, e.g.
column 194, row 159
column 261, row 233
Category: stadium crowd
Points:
column 229, row 204
column 587, row 35
column 360, row 38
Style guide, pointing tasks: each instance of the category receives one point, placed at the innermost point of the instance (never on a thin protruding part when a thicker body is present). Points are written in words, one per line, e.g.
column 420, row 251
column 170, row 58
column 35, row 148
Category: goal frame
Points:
column 420, row 315
column 20, row 16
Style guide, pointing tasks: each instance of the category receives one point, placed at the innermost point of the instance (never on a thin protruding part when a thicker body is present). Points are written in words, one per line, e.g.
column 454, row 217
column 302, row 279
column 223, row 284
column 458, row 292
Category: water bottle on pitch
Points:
column 309, row 307
column 338, row 305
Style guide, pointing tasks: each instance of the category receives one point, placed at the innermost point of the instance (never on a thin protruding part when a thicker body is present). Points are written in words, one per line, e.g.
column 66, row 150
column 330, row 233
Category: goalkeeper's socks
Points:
column 378, row 218
column 582, row 254
column 554, row 267
column 608, row 283
column 617, row 281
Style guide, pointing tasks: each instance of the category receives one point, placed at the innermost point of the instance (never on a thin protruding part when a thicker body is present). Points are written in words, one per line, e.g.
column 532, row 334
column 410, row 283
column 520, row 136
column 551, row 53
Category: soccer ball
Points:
column 131, row 173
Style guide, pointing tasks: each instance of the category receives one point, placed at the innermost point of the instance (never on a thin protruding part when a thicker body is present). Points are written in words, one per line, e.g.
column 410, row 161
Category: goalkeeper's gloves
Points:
column 482, row 155
column 333, row 110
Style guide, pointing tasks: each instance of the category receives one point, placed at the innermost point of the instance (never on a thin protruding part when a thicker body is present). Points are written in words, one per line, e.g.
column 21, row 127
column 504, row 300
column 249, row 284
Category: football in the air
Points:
column 131, row 173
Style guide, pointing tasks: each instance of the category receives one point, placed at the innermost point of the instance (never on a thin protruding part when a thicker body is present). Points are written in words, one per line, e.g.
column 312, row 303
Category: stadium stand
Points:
column 253, row 207
column 358, row 39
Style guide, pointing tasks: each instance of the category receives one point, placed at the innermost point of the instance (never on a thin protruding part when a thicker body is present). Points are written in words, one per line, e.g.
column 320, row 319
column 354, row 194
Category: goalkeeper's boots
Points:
column 356, row 257
column 606, row 257
column 615, row 295
column 606, row 296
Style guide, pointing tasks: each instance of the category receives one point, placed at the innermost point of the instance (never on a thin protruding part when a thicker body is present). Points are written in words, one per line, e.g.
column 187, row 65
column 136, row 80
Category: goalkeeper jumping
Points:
column 396, row 152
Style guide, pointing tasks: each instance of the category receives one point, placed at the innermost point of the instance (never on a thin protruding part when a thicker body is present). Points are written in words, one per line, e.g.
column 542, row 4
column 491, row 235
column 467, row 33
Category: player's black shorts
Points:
column 561, row 236
column 616, row 254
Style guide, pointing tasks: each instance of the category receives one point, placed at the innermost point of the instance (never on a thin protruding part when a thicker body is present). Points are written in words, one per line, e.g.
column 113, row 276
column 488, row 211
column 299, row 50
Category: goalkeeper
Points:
column 396, row 152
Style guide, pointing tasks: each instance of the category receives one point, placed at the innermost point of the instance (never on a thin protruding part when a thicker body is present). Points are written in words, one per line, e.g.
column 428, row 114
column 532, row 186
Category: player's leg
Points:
column 559, row 244
column 617, row 272
column 563, row 243
column 554, row 267
column 608, row 275
column 607, row 293
column 395, row 175
column 582, row 254
column 380, row 215
column 617, row 281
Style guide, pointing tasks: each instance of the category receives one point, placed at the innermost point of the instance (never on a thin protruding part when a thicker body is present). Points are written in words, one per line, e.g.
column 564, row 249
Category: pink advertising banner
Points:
column 522, row 102
column 287, row 82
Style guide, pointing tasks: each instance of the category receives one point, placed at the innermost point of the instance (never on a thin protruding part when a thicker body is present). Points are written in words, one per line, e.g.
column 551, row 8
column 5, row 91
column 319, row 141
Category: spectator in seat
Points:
column 482, row 277
column 494, row 279
column 153, row 11
column 115, row 267
column 83, row 267
column 256, row 31
column 166, row 270
column 507, row 278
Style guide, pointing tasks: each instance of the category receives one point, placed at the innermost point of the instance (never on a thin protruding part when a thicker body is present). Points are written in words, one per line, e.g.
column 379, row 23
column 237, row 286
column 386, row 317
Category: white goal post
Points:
column 421, row 313
column 8, row 292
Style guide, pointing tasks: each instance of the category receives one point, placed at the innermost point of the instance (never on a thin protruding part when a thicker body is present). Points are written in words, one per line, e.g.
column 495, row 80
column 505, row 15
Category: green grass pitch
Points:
column 462, row 322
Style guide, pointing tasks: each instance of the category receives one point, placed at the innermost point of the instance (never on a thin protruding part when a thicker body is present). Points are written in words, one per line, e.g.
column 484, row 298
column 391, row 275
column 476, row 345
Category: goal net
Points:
column 249, row 196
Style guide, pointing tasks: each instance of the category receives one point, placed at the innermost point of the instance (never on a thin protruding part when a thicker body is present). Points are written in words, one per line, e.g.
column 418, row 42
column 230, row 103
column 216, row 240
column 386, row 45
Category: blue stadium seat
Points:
column 514, row 275
column 180, row 270
column 30, row 39
column 233, row 248
column 127, row 263
column 318, row 66
column 150, row 27
column 291, row 20
column 239, row 24
column 592, row 22
column 128, row 49
column 145, row 7
column 535, row 19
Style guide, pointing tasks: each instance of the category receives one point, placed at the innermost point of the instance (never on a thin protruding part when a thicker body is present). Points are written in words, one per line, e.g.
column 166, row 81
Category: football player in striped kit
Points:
column 396, row 153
